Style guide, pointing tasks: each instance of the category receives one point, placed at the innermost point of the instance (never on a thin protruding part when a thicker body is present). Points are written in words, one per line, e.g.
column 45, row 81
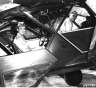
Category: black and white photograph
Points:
column 48, row 43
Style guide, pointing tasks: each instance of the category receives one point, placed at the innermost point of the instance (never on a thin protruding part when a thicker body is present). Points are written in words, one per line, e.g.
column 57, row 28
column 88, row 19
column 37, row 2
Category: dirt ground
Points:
column 89, row 80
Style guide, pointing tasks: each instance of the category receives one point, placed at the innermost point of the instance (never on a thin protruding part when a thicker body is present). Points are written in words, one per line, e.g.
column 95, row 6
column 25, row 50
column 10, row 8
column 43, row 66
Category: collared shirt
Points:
column 67, row 26
column 21, row 43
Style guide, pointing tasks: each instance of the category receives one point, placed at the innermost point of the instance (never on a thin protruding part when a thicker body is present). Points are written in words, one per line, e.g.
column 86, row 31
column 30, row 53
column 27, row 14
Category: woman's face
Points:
column 21, row 30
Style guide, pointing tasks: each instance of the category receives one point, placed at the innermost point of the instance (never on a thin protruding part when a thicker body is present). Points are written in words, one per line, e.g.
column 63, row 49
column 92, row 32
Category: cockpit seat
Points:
column 90, row 22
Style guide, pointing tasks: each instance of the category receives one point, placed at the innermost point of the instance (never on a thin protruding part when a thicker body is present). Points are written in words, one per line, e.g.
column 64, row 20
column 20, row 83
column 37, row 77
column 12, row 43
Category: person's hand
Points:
column 41, row 42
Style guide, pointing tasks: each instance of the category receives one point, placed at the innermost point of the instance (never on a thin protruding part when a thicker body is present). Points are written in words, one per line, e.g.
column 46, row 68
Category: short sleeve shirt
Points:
column 21, row 43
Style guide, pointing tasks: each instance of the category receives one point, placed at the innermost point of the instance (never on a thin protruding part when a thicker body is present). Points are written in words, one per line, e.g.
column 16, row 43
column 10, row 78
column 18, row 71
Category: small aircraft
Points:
column 64, row 54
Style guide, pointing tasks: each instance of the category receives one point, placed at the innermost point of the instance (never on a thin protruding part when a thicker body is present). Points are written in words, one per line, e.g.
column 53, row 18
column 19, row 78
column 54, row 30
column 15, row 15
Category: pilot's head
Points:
column 21, row 28
column 73, row 15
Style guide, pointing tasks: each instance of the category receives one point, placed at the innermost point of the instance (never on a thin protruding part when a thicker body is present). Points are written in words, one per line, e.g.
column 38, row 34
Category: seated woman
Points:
column 20, row 40
column 26, row 45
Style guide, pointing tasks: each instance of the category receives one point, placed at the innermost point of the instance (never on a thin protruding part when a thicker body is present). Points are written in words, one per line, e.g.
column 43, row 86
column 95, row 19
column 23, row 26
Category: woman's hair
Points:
column 20, row 24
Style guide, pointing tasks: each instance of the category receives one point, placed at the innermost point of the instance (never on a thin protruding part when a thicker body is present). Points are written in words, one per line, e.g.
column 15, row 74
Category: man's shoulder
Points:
column 67, row 20
column 19, row 36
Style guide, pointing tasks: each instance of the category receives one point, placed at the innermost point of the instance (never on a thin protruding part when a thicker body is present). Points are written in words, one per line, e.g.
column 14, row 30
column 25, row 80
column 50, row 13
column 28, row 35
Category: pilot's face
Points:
column 21, row 30
column 72, row 16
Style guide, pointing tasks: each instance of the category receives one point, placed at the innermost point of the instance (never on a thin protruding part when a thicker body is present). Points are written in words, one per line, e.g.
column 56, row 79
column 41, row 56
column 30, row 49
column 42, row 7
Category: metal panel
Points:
column 81, row 38
column 28, row 2
column 19, row 61
column 65, row 52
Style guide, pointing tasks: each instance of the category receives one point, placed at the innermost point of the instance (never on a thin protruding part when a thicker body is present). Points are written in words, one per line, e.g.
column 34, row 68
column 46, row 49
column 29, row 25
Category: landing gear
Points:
column 73, row 78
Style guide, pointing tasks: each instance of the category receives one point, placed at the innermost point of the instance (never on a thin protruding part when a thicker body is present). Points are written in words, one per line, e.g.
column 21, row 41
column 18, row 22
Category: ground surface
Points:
column 89, row 80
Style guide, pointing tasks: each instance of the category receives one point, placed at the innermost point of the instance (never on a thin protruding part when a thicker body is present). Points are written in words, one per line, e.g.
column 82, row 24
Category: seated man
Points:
column 20, row 40
column 68, row 25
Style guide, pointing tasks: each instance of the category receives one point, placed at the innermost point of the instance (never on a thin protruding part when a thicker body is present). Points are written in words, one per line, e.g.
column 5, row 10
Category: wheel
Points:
column 73, row 78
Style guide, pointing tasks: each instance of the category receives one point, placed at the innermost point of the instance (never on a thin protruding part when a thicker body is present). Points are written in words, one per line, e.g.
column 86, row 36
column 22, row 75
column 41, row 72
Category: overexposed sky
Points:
column 92, row 4
column 8, row 6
